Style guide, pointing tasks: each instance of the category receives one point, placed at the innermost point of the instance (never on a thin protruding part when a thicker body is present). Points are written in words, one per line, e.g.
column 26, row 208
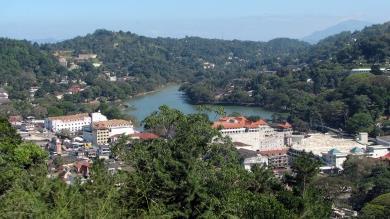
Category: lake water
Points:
column 142, row 106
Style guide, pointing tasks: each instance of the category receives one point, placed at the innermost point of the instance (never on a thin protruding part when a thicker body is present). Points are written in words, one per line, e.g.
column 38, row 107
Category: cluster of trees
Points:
column 183, row 175
column 187, row 173
column 316, row 90
column 309, row 82
column 363, row 186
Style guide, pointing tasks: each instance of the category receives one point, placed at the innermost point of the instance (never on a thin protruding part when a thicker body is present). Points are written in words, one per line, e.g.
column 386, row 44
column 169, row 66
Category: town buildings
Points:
column 100, row 132
column 72, row 123
column 277, row 158
column 252, row 158
column 267, row 144
column 257, row 134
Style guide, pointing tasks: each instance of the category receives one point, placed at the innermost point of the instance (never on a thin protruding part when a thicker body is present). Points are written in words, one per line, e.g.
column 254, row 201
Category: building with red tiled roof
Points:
column 255, row 134
column 100, row 132
column 286, row 129
column 284, row 125
column 145, row 136
column 237, row 122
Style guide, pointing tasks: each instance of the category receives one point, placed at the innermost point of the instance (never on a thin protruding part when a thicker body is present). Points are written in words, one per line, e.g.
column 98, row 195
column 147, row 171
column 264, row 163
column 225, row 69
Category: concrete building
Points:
column 3, row 94
column 258, row 134
column 73, row 123
column 277, row 158
column 335, row 158
column 377, row 151
column 101, row 131
column 364, row 70
column 287, row 131
column 86, row 56
column 63, row 61
column 252, row 158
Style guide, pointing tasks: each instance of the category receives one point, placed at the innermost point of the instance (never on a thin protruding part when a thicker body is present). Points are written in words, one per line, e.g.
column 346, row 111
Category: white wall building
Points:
column 258, row 134
column 97, row 117
column 335, row 158
column 99, row 132
column 73, row 123
column 377, row 151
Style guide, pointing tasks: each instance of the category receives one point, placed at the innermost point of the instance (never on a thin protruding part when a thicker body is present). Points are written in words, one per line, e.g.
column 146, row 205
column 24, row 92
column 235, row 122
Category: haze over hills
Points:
column 349, row 25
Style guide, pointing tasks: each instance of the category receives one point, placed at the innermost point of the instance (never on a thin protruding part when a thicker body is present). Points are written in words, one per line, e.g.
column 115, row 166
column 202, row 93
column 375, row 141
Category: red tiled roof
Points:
column 237, row 122
column 285, row 125
column 145, row 135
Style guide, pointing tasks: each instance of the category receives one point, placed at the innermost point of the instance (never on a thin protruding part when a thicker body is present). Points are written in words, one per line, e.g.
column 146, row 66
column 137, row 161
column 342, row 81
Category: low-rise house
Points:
column 144, row 136
column 15, row 120
column 3, row 96
column 252, row 158
column 86, row 56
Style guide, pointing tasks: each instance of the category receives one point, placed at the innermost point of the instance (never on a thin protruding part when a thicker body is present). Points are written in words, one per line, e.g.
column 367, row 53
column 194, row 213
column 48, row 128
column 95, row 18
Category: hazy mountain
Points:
column 349, row 25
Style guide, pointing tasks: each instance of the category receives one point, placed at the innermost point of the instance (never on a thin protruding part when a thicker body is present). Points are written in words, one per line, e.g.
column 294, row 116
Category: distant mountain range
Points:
column 349, row 25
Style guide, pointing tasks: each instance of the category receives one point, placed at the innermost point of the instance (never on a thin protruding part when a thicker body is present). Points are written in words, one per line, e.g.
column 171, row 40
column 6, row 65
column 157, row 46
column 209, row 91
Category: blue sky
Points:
column 245, row 19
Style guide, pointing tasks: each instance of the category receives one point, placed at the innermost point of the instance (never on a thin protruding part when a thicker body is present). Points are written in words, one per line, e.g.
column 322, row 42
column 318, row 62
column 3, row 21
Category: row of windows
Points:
column 74, row 124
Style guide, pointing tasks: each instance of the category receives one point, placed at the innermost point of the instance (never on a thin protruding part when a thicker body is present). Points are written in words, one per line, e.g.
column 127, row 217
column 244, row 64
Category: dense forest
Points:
column 309, row 85
column 183, row 175
column 317, row 90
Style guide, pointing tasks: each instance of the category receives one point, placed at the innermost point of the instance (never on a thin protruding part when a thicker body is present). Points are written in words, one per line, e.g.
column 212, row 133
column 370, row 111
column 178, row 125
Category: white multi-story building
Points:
column 73, row 123
column 99, row 132
column 257, row 134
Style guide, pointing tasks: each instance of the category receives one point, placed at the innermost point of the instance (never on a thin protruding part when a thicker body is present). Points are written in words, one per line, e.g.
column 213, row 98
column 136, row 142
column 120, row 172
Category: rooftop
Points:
column 272, row 152
column 284, row 125
column 75, row 117
column 145, row 135
column 245, row 153
column 238, row 122
column 319, row 143
column 111, row 123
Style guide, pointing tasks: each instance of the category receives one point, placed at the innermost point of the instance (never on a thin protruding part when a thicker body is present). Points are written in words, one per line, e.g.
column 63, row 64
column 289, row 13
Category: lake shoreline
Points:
column 143, row 105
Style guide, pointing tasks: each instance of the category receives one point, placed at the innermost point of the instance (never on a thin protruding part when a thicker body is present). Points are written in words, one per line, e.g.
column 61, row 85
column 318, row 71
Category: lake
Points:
column 142, row 106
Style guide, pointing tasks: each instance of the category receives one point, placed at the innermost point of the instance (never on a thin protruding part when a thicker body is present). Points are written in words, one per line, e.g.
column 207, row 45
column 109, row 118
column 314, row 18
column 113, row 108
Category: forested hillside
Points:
column 319, row 89
column 23, row 65
column 306, row 84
